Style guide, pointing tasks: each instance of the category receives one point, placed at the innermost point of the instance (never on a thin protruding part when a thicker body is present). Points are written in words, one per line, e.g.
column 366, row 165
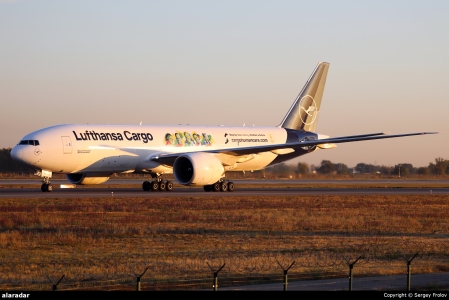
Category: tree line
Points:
column 8, row 165
column 439, row 167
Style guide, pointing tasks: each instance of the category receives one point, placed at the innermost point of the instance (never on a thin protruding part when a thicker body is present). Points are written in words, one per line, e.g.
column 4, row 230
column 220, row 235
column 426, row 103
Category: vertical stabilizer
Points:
column 304, row 113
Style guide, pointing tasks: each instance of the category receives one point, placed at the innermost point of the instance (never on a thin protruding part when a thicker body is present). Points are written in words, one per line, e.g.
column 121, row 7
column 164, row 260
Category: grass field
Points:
column 110, row 238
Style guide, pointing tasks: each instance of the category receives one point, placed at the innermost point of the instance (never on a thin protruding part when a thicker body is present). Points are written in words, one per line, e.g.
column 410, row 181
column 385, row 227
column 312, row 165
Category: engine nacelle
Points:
column 197, row 169
column 83, row 178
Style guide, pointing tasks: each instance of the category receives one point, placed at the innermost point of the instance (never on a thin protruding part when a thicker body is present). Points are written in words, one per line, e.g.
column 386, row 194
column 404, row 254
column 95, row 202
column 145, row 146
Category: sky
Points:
column 230, row 63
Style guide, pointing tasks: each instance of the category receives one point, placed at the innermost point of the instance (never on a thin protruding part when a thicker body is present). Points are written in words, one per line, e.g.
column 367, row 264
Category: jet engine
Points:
column 197, row 169
column 83, row 178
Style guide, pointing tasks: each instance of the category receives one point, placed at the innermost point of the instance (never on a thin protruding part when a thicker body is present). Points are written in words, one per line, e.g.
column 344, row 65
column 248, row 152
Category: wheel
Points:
column 146, row 186
column 44, row 187
column 231, row 186
column 154, row 185
column 224, row 186
column 207, row 188
column 161, row 186
column 169, row 186
column 216, row 187
column 49, row 188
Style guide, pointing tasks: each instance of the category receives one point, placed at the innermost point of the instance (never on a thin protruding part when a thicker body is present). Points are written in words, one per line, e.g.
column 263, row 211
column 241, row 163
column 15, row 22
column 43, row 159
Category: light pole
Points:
column 399, row 170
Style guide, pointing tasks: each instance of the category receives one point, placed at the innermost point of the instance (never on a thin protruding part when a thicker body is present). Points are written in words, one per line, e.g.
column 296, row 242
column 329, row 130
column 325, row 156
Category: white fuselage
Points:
column 129, row 148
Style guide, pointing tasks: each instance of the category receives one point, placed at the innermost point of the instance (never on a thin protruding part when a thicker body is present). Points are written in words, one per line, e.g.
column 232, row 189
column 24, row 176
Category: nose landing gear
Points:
column 46, row 175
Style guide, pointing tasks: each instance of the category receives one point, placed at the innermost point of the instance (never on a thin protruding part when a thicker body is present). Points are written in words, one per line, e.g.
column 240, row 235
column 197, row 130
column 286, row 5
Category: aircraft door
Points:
column 67, row 144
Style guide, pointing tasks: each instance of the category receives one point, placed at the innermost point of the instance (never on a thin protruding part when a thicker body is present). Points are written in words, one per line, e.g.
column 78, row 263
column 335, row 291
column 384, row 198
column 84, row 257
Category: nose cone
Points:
column 22, row 154
column 17, row 153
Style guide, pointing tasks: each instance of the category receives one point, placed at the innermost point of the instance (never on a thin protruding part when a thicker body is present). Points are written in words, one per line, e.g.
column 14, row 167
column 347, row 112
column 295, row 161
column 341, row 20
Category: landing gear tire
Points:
column 154, row 186
column 169, row 186
column 158, row 185
column 46, row 187
column 224, row 186
column 146, row 186
column 216, row 187
column 220, row 186
column 231, row 186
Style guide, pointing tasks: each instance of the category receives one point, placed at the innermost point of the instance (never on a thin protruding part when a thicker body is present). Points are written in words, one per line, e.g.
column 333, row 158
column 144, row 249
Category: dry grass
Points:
column 109, row 238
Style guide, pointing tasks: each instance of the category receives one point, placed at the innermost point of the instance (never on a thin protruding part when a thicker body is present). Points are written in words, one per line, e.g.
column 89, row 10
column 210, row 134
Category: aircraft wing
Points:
column 169, row 158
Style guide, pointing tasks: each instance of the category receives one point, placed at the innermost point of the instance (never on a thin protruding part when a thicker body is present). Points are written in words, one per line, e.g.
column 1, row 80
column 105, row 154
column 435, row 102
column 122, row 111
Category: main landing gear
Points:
column 46, row 185
column 220, row 186
column 158, row 185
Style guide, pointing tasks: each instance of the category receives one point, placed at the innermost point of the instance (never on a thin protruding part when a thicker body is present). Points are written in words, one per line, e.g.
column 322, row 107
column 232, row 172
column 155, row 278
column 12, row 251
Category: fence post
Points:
column 215, row 286
column 409, row 273
column 351, row 266
column 285, row 273
column 54, row 286
column 138, row 277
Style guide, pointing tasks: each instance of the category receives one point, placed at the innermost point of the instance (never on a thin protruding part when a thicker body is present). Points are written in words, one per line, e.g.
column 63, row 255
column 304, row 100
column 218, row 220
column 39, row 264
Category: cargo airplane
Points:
column 196, row 155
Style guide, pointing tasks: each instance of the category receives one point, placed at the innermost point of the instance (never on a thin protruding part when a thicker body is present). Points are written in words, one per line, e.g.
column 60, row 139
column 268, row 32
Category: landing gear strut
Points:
column 46, row 175
column 158, row 185
column 220, row 186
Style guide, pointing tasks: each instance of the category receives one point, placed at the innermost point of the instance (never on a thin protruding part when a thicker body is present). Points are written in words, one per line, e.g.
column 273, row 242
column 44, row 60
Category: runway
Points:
column 199, row 192
column 254, row 181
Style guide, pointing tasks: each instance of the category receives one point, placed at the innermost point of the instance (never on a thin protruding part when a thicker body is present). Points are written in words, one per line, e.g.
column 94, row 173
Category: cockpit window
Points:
column 29, row 142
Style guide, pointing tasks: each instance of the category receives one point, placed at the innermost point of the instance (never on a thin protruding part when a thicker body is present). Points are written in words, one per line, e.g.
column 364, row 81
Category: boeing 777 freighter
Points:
column 196, row 155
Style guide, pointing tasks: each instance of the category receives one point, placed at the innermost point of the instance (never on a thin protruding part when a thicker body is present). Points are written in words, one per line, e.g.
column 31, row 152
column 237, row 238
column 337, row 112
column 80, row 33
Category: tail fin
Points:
column 303, row 115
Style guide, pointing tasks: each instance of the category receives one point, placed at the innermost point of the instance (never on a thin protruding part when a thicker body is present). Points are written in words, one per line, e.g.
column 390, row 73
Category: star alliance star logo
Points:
column 308, row 110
